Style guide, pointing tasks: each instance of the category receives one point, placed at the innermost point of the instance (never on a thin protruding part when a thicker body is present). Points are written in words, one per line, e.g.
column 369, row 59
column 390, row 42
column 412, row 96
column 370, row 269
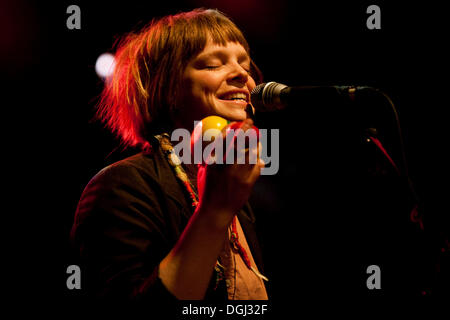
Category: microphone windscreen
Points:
column 266, row 96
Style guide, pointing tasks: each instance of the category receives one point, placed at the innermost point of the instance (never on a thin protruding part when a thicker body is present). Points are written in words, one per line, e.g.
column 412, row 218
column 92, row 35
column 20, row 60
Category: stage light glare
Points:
column 104, row 66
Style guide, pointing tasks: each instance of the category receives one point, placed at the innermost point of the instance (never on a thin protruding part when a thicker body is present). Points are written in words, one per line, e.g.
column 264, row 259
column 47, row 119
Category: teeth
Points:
column 233, row 96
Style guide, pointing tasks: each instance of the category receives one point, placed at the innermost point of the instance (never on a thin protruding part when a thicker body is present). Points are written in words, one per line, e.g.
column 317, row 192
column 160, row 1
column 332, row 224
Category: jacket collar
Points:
column 168, row 180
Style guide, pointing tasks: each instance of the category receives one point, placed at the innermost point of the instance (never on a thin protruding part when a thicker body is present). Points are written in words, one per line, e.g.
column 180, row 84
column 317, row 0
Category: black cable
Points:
column 402, row 145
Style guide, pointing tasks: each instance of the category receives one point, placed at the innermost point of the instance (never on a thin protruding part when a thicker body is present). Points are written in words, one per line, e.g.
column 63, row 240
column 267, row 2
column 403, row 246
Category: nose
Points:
column 238, row 74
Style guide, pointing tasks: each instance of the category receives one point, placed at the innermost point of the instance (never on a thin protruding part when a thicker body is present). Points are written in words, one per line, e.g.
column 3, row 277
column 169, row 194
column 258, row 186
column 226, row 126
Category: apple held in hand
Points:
column 237, row 135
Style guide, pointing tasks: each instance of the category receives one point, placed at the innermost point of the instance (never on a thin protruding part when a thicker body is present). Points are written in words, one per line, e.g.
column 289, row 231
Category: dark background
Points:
column 334, row 207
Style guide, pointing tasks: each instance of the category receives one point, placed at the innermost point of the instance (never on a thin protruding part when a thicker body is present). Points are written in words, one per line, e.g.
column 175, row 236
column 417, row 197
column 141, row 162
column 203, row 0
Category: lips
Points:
column 242, row 96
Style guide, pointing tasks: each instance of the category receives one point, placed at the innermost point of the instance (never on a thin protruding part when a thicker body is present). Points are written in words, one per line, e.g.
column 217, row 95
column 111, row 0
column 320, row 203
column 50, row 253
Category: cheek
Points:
column 206, row 90
column 204, row 84
column 199, row 92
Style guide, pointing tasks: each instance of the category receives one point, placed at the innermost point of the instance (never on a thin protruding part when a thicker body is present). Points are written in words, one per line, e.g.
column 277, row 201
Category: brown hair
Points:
column 141, row 96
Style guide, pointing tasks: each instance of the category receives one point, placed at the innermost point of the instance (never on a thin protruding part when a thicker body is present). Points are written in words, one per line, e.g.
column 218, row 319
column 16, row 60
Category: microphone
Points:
column 272, row 96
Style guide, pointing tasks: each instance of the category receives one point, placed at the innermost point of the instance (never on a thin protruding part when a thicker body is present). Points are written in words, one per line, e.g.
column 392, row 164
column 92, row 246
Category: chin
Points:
column 231, row 111
column 236, row 115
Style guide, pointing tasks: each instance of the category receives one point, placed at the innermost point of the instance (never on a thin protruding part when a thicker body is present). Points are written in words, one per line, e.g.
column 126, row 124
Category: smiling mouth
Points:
column 236, row 96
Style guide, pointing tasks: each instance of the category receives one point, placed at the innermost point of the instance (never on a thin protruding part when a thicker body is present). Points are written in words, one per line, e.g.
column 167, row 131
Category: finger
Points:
column 261, row 163
column 247, row 124
column 249, row 155
column 231, row 132
column 256, row 171
column 259, row 149
column 237, row 138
